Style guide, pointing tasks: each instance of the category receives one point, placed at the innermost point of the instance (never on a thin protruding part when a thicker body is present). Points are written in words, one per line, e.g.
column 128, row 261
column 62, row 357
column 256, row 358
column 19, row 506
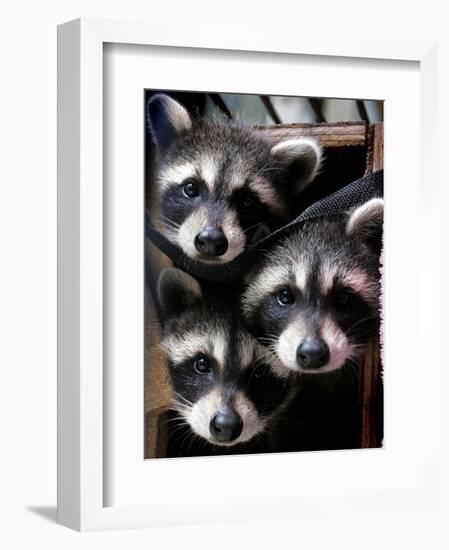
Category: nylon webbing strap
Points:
column 353, row 194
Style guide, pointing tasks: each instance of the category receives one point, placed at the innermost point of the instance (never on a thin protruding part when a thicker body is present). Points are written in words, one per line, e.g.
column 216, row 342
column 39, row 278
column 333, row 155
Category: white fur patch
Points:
column 264, row 284
column 305, row 149
column 208, row 168
column 197, row 221
column 292, row 337
column 339, row 347
column 301, row 277
column 202, row 412
column 189, row 229
column 235, row 235
column 179, row 348
column 267, row 195
column 176, row 174
column 360, row 282
column 177, row 115
column 288, row 343
column 252, row 424
column 370, row 212
column 247, row 347
column 238, row 175
column 355, row 279
column 327, row 274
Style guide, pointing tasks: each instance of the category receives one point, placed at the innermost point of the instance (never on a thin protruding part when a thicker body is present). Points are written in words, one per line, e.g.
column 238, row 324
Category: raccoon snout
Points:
column 226, row 425
column 211, row 241
column 313, row 353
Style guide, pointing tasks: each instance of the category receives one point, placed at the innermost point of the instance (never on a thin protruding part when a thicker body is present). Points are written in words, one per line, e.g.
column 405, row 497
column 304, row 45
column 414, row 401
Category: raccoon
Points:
column 221, row 185
column 314, row 300
column 224, row 390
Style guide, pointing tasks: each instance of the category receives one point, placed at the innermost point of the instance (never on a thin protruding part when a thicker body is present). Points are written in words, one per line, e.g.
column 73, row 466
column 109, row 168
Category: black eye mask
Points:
column 353, row 194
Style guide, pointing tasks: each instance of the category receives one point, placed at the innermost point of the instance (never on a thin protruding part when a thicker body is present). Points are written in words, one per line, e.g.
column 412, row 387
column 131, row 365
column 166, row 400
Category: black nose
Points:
column 226, row 425
column 211, row 241
column 313, row 353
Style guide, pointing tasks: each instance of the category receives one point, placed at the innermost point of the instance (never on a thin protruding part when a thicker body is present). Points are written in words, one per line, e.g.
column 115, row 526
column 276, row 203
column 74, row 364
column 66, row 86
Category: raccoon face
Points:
column 315, row 301
column 223, row 387
column 222, row 186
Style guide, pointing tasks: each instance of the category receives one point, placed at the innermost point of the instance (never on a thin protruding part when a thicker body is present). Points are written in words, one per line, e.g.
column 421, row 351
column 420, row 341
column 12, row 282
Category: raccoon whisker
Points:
column 175, row 435
column 177, row 429
column 180, row 406
column 179, row 396
column 355, row 344
column 170, row 223
column 182, row 403
column 252, row 227
column 183, row 439
column 270, row 350
column 268, row 340
column 171, row 230
column 181, row 409
column 174, row 421
column 358, row 350
column 195, row 437
column 267, row 409
column 179, row 432
column 352, row 364
column 352, row 369
column 361, row 321
column 270, row 335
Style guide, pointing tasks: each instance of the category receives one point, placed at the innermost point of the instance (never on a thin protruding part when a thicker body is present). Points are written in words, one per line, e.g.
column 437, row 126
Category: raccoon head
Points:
column 222, row 385
column 314, row 302
column 222, row 186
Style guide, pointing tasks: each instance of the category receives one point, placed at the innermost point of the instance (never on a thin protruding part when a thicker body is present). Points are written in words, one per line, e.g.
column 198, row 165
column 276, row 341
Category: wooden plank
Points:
column 371, row 380
column 370, row 385
column 335, row 134
column 375, row 152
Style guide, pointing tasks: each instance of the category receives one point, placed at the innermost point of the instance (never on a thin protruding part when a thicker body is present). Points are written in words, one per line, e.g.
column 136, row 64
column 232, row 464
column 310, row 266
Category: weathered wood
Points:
column 157, row 390
column 329, row 134
column 371, row 379
column 375, row 150
column 370, row 385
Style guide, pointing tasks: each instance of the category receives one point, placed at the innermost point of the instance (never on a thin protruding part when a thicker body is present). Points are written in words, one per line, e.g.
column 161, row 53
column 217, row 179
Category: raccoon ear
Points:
column 366, row 223
column 177, row 291
column 167, row 119
column 302, row 157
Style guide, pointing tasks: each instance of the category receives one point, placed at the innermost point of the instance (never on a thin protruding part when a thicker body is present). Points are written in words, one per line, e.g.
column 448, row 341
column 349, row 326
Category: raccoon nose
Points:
column 211, row 241
column 313, row 353
column 226, row 425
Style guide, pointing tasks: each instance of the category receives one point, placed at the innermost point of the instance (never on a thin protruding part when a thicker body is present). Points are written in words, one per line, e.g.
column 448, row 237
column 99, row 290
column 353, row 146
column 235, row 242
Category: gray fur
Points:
column 318, row 263
column 228, row 161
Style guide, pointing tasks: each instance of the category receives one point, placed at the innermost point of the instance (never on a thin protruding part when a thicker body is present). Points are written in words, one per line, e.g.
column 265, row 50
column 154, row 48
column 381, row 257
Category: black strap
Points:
column 353, row 194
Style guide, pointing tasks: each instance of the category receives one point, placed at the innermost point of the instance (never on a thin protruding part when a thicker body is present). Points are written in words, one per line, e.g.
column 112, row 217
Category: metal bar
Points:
column 270, row 108
column 218, row 100
column 363, row 113
column 316, row 106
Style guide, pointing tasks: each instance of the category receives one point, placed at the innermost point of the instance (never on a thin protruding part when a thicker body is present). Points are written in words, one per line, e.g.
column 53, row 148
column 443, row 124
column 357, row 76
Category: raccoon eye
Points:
column 260, row 371
column 344, row 297
column 285, row 297
column 246, row 200
column 190, row 189
column 201, row 365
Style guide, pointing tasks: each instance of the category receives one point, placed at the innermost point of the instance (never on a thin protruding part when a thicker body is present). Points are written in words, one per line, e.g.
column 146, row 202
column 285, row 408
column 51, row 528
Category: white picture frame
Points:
column 82, row 411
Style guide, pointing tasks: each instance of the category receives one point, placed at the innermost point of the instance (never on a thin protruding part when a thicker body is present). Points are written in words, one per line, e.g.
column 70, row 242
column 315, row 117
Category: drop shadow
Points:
column 47, row 512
